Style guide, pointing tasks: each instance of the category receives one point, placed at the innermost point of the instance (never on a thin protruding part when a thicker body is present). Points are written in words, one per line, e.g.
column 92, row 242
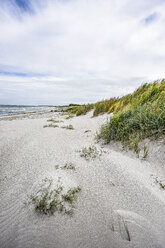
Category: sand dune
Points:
column 120, row 204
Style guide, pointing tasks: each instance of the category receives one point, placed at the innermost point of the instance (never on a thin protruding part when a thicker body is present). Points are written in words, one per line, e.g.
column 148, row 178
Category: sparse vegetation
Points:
column 68, row 127
column 67, row 166
column 71, row 195
column 136, row 147
column 90, row 153
column 87, row 131
column 51, row 125
column 128, row 237
column 55, row 121
column 54, row 110
column 69, row 117
column 48, row 200
column 161, row 184
column 145, row 149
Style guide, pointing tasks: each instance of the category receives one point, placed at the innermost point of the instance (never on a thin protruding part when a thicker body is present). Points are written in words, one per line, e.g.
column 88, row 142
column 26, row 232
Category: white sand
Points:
column 117, row 188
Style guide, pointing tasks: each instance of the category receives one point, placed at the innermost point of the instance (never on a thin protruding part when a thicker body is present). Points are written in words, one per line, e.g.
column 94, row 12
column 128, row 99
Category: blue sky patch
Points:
column 151, row 18
column 23, row 4
column 21, row 74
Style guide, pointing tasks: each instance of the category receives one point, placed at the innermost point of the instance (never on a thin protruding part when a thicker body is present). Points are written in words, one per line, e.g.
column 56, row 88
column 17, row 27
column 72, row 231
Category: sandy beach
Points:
column 120, row 205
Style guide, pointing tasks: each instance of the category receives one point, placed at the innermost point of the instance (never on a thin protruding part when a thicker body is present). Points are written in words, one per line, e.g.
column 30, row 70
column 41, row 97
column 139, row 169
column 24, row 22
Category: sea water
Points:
column 18, row 109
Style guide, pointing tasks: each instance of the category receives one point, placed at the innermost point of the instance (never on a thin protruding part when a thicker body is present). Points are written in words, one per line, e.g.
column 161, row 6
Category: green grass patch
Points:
column 133, row 126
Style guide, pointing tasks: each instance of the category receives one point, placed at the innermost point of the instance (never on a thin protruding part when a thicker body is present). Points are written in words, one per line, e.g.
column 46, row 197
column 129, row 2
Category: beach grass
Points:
column 80, row 110
column 67, row 166
column 54, row 121
column 90, row 152
column 141, row 118
column 69, row 117
column 161, row 184
column 48, row 199
column 51, row 125
column 70, row 127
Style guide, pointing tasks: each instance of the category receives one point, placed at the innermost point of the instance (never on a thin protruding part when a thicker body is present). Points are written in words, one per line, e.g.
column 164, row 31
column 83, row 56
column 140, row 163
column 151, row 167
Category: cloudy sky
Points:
column 63, row 51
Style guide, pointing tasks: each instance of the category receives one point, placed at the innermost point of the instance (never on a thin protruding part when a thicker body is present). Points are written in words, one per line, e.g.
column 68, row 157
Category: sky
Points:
column 78, row 51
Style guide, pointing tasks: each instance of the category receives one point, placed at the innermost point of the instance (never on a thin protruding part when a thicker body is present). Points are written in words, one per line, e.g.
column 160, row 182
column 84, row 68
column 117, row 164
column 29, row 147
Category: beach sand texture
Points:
column 120, row 204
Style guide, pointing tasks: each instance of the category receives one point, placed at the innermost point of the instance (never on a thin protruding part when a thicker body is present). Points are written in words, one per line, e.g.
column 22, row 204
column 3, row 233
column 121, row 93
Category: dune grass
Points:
column 48, row 199
column 137, row 117
column 90, row 152
column 80, row 110
column 161, row 184
column 67, row 166
column 147, row 93
column 70, row 127
column 51, row 125
column 55, row 121
column 69, row 117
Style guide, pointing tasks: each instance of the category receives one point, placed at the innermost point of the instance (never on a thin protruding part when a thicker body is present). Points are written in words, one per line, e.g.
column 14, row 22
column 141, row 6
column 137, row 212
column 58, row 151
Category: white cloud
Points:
column 84, row 50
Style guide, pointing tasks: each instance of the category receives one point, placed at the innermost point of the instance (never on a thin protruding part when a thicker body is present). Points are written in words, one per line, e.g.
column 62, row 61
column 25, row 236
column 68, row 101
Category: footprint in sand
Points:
column 136, row 229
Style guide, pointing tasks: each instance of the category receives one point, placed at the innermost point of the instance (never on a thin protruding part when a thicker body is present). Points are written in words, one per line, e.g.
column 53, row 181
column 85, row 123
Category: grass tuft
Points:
column 69, row 117
column 48, row 200
column 162, row 185
column 90, row 153
column 54, row 121
column 68, row 127
column 145, row 149
column 51, row 125
column 67, row 166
